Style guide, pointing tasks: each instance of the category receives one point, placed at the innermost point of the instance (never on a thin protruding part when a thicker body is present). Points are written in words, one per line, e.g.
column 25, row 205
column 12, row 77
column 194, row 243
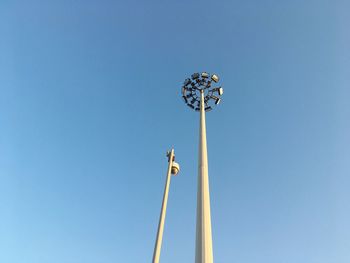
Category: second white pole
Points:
column 158, row 245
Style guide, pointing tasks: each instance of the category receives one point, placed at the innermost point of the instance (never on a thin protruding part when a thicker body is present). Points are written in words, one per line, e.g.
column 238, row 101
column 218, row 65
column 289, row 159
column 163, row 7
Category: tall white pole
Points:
column 158, row 245
column 204, row 250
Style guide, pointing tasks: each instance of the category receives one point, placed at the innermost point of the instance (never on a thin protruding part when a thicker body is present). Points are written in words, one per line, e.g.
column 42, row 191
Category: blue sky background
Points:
column 90, row 102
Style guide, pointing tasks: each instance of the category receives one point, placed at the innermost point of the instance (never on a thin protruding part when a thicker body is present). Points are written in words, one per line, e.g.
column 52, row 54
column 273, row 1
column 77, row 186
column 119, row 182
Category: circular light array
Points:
column 201, row 82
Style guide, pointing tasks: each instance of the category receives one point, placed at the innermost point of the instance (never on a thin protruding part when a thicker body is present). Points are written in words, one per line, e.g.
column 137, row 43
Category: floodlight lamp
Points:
column 214, row 97
column 208, row 108
column 190, row 105
column 215, row 78
column 220, row 91
column 187, row 81
column 195, row 76
column 185, row 99
column 205, row 75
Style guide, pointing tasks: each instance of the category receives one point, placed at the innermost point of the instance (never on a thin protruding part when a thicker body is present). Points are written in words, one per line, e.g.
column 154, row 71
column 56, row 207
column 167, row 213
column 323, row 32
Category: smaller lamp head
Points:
column 175, row 168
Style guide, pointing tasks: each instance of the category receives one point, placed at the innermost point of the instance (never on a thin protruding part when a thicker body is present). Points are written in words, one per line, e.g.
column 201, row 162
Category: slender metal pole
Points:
column 204, row 250
column 158, row 245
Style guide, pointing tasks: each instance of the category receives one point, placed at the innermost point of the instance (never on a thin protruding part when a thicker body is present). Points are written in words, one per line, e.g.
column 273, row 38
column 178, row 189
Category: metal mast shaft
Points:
column 204, row 250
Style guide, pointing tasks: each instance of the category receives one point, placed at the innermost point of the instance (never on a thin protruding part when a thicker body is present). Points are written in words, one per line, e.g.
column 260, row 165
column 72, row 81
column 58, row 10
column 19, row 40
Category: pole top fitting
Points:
column 168, row 154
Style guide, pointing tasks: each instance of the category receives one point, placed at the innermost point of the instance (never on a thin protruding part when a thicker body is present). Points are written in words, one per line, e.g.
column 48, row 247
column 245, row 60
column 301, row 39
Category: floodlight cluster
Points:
column 201, row 82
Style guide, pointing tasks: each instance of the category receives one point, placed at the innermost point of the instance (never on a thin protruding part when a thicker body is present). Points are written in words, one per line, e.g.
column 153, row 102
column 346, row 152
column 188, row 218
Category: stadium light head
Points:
column 187, row 81
column 195, row 76
column 183, row 91
column 215, row 78
column 198, row 85
column 220, row 91
column 190, row 105
column 205, row 75
column 216, row 99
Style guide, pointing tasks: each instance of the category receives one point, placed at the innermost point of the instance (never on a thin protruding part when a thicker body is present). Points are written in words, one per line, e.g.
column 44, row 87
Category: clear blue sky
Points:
column 90, row 101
